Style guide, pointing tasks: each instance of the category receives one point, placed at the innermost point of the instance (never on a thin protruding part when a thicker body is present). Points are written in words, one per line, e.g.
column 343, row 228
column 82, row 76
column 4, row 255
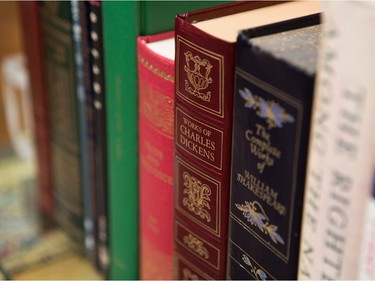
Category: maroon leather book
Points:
column 31, row 35
column 203, row 130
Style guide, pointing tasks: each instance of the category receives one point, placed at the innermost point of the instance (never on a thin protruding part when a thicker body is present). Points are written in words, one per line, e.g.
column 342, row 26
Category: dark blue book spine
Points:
column 84, row 127
column 272, row 108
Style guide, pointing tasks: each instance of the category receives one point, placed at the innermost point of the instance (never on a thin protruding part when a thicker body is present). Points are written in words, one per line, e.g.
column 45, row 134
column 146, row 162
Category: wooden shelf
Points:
column 68, row 267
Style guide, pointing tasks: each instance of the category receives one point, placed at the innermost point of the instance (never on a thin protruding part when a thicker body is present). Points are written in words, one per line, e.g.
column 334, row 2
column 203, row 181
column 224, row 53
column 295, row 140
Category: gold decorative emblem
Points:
column 158, row 110
column 197, row 71
column 196, row 245
column 198, row 196
column 188, row 275
column 255, row 214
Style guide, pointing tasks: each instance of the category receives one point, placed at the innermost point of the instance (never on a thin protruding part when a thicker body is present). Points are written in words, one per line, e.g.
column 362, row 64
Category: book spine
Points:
column 268, row 164
column 91, row 131
column 84, row 124
column 122, row 127
column 61, row 88
column 156, row 120
column 31, row 27
column 339, row 174
column 98, row 105
column 367, row 258
column 203, row 126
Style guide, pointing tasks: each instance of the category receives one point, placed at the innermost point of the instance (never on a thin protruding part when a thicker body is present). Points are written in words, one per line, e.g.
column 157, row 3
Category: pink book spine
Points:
column 156, row 104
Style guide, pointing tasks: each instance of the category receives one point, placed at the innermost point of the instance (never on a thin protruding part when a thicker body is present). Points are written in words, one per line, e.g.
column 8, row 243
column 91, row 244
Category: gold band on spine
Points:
column 155, row 70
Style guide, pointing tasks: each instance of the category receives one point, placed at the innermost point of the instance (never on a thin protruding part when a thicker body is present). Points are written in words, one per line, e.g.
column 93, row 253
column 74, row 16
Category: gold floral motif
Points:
column 198, row 196
column 188, row 275
column 158, row 109
column 197, row 78
column 196, row 245
column 258, row 273
column 255, row 214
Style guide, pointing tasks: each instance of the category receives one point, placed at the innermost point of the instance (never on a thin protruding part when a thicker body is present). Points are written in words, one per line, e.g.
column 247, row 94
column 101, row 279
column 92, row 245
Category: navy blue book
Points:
column 84, row 121
column 274, row 85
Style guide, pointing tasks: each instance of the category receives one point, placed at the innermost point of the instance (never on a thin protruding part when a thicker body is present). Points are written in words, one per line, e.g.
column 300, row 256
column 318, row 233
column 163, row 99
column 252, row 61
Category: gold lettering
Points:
column 262, row 191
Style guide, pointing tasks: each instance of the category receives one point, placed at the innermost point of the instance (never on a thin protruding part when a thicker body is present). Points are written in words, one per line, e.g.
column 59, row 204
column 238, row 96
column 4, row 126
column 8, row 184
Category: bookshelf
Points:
column 42, row 251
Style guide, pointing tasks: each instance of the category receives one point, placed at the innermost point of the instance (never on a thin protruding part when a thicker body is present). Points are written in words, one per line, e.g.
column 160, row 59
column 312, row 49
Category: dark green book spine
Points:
column 120, row 30
column 57, row 40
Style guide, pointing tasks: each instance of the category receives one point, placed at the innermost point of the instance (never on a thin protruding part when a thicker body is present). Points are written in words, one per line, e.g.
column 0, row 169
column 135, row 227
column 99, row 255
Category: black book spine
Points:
column 272, row 109
column 99, row 120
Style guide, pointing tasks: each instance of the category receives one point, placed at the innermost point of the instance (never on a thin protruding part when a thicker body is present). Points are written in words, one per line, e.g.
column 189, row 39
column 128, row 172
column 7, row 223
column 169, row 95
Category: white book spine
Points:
column 340, row 170
column 367, row 260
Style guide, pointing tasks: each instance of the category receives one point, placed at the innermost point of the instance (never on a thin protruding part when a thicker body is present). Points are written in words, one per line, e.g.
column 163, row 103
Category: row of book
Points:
column 230, row 142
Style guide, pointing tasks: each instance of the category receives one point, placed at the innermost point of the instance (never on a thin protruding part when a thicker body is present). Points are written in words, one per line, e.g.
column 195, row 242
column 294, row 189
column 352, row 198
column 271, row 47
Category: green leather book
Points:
column 123, row 22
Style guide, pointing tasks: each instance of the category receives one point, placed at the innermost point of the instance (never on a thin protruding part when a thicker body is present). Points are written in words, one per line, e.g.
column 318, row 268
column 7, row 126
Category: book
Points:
column 80, row 47
column 367, row 260
column 123, row 22
column 60, row 73
column 32, row 42
column 205, row 49
column 156, row 120
column 339, row 170
column 274, row 86
column 97, row 105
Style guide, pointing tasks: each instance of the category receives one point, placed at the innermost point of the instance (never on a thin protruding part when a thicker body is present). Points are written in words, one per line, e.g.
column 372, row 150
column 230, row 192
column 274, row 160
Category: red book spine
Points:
column 156, row 113
column 31, row 32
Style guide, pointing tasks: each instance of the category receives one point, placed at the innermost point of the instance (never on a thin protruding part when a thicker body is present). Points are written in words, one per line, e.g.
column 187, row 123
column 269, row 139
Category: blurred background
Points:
column 28, row 241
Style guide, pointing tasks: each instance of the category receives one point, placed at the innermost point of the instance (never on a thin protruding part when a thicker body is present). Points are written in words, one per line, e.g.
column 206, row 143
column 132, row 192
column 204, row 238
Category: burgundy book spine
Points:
column 203, row 125
column 204, row 69
column 31, row 35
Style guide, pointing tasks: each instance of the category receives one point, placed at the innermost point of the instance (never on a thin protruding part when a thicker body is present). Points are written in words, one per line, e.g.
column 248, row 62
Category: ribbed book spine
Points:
column 62, row 95
column 98, row 108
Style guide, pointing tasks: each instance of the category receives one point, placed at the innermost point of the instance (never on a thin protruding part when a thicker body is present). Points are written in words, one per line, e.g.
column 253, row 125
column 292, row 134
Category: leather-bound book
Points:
column 205, row 49
column 86, row 137
column 31, row 32
column 96, row 104
column 60, row 73
column 273, row 94
column 156, row 112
